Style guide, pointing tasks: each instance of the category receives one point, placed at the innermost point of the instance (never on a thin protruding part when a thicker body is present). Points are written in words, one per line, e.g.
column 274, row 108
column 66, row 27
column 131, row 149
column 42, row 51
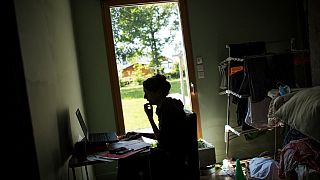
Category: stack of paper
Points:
column 135, row 146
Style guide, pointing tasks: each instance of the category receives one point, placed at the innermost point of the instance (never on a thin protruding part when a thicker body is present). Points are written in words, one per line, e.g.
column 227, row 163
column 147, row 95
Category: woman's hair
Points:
column 157, row 82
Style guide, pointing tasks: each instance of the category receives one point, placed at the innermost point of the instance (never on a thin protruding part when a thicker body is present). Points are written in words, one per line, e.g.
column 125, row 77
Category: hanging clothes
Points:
column 257, row 113
column 223, row 69
column 237, row 71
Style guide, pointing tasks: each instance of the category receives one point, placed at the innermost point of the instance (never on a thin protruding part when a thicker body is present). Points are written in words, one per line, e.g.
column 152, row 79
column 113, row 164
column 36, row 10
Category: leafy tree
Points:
column 137, row 31
column 175, row 72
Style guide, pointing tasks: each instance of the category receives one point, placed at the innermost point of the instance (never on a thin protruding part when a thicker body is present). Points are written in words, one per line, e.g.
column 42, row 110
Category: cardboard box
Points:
column 207, row 155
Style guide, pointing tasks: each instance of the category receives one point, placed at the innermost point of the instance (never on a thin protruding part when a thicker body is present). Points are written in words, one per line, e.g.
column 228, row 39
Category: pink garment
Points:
column 303, row 151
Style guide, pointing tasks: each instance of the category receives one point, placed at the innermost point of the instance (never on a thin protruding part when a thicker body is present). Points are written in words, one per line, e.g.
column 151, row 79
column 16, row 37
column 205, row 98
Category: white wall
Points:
column 52, row 79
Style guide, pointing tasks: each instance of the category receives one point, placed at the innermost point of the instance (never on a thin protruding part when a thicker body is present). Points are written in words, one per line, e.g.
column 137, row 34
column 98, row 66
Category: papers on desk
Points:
column 148, row 140
column 97, row 158
column 133, row 146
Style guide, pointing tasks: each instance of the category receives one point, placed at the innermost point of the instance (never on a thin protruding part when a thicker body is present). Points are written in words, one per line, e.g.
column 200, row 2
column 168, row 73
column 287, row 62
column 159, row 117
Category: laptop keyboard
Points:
column 99, row 137
column 103, row 137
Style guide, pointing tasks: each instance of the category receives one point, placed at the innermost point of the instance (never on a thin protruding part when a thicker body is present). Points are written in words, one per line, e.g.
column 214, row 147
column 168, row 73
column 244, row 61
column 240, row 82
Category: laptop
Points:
column 95, row 138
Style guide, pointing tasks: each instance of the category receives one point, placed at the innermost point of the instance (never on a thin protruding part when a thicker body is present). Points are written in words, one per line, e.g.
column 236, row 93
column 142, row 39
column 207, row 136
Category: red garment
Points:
column 235, row 69
column 303, row 151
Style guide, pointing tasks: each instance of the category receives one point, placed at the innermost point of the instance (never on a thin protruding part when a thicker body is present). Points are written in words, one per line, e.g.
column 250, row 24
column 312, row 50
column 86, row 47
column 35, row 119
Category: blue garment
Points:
column 292, row 134
column 263, row 169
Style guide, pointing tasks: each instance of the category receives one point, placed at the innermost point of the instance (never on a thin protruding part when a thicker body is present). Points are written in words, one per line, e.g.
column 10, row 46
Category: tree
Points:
column 139, row 31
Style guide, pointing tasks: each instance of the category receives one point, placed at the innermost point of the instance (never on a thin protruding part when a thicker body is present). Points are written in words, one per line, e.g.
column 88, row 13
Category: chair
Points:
column 193, row 155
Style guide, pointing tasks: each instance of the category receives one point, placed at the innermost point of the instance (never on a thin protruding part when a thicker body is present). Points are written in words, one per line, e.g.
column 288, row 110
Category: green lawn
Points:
column 133, row 92
column 134, row 115
column 132, row 105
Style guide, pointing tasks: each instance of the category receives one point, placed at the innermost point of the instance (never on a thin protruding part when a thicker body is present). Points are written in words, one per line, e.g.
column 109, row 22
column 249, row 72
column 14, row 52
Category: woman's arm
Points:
column 135, row 135
column 149, row 111
column 149, row 135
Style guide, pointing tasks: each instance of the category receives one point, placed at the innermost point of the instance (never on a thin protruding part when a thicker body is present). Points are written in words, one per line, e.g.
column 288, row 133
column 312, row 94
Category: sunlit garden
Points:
column 132, row 104
column 142, row 50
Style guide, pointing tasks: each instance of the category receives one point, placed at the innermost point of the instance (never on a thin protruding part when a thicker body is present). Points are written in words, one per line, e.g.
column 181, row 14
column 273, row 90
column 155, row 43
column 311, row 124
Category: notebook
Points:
column 95, row 138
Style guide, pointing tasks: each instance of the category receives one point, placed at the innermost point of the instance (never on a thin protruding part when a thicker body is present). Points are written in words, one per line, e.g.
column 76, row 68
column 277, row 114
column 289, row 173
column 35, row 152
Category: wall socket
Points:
column 199, row 60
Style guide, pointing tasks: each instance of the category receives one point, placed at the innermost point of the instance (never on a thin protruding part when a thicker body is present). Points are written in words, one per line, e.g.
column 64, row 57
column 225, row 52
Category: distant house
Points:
column 167, row 63
column 127, row 71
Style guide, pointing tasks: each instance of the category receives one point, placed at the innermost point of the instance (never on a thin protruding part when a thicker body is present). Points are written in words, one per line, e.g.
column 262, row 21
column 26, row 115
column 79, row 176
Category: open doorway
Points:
column 144, row 39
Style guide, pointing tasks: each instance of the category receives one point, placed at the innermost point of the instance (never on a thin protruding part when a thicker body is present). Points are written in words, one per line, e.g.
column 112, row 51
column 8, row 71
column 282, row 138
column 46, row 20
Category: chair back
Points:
column 193, row 155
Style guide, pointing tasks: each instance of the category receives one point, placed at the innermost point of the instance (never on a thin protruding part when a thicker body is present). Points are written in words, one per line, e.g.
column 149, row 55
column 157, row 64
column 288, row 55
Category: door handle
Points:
column 192, row 88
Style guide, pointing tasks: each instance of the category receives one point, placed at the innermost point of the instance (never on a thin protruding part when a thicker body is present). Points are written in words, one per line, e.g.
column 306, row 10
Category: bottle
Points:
column 238, row 173
column 283, row 89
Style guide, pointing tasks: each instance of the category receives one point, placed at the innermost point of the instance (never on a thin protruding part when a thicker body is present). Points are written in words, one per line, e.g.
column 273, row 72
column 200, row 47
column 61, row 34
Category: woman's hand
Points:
column 149, row 110
column 130, row 135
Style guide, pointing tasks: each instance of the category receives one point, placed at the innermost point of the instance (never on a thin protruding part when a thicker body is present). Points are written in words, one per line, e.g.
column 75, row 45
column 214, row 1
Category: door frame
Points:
column 113, row 73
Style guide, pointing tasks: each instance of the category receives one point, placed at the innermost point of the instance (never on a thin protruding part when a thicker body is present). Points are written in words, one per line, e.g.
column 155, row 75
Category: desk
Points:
column 74, row 162
column 135, row 167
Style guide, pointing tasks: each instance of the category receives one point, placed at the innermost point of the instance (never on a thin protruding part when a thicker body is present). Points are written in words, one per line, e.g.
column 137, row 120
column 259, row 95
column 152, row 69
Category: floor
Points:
column 216, row 172
column 211, row 177
column 207, row 175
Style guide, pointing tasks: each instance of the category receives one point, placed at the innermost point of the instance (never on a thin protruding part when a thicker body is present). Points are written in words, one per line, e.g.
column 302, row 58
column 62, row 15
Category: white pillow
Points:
column 302, row 112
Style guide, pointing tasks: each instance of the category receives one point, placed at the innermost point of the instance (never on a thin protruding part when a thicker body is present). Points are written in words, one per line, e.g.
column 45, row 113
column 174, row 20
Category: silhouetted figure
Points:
column 170, row 159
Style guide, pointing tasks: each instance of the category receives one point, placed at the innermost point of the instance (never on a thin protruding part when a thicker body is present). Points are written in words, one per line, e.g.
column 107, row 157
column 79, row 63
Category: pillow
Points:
column 302, row 112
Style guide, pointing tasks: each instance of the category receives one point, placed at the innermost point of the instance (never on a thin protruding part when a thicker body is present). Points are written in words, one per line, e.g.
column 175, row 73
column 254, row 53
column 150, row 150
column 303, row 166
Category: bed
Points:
column 300, row 154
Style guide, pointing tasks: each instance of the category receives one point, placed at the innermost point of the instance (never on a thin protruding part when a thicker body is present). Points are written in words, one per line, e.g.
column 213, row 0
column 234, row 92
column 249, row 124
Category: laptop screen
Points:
column 82, row 124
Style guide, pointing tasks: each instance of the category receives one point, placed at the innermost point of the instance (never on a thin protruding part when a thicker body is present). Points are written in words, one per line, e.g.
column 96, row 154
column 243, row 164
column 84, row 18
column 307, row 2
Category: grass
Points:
column 132, row 106
column 134, row 115
column 134, row 92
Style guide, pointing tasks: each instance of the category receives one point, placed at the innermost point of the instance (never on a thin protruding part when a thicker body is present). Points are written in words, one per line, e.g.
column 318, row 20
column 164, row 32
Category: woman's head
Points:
column 156, row 88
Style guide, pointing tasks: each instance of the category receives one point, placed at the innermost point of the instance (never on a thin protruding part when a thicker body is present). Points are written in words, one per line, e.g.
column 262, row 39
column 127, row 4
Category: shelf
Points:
column 231, row 59
column 233, row 93
column 237, row 131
